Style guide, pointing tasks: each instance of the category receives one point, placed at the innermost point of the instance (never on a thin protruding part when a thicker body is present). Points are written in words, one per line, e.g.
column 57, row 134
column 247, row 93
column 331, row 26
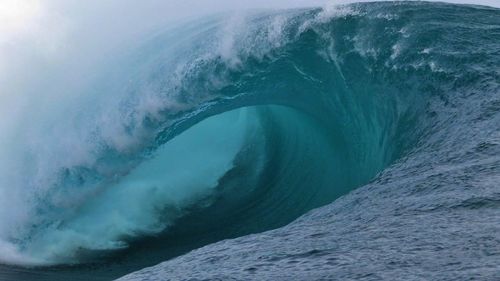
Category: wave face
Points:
column 235, row 125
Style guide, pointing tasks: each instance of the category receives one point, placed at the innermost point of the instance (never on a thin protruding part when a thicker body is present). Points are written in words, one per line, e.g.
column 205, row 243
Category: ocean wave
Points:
column 234, row 125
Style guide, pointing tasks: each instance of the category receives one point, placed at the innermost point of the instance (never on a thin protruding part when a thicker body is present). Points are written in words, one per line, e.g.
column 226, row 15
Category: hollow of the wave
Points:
column 243, row 171
column 239, row 172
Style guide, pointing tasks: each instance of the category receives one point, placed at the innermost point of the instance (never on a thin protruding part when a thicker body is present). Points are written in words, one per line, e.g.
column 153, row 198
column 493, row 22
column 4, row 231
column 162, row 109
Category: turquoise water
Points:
column 226, row 126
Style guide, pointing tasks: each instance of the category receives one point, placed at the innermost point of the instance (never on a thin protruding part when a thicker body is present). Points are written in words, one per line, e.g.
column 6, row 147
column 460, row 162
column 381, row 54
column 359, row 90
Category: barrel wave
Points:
column 235, row 125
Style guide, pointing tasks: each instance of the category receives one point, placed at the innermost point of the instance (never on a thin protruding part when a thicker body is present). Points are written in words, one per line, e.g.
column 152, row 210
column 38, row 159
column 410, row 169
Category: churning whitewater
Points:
column 387, row 114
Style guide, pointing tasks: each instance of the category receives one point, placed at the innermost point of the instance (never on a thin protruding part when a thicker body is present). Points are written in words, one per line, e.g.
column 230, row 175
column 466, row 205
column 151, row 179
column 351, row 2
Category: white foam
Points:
column 182, row 171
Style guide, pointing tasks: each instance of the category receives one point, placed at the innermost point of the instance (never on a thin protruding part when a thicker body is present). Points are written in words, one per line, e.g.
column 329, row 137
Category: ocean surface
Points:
column 352, row 142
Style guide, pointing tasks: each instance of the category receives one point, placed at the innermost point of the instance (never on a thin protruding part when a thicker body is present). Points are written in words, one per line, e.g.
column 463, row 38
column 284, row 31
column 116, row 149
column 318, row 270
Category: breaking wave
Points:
column 233, row 125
